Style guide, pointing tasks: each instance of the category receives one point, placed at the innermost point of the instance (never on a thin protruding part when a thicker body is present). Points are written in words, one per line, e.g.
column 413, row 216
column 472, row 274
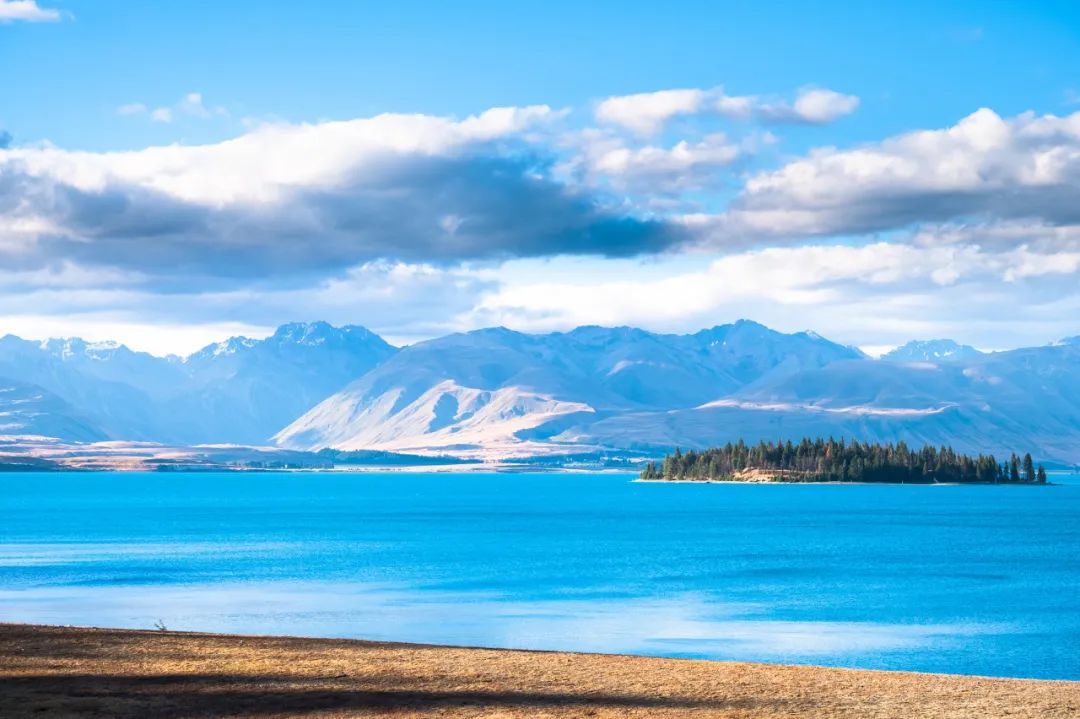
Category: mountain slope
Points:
column 497, row 393
column 1002, row 402
column 26, row 409
column 75, row 372
column 238, row 391
column 246, row 390
column 501, row 391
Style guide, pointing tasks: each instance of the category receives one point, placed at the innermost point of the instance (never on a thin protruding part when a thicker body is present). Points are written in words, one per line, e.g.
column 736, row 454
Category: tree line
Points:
column 830, row 460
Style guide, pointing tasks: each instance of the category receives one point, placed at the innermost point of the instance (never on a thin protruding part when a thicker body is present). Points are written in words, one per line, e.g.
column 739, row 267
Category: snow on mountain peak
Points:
column 232, row 346
column 304, row 333
column 941, row 350
column 67, row 348
column 496, row 392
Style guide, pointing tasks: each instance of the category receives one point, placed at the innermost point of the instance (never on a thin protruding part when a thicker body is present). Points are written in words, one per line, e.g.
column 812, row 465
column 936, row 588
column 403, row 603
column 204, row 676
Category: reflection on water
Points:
column 687, row 625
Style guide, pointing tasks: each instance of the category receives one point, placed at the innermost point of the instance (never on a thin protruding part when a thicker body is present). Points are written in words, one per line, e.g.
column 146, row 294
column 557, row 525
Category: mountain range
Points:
column 496, row 394
column 237, row 391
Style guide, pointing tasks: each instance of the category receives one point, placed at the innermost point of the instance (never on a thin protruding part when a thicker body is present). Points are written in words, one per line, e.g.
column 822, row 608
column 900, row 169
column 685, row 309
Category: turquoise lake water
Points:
column 974, row 580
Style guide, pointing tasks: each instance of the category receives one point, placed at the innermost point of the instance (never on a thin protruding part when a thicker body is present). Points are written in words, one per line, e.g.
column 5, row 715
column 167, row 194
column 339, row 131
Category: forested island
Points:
column 830, row 460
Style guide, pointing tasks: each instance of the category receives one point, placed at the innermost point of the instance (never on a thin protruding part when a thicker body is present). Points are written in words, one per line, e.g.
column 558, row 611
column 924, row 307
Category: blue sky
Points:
column 917, row 64
column 571, row 202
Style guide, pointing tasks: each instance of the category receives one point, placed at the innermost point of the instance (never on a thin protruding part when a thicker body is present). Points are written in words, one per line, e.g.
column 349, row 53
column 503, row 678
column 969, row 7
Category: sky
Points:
column 172, row 174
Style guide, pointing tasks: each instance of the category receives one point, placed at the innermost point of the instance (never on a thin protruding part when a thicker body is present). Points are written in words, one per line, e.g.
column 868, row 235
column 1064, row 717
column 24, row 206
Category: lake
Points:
column 973, row 580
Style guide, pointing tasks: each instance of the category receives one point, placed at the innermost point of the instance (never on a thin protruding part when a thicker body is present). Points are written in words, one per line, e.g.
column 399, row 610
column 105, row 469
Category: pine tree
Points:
column 833, row 461
column 1029, row 468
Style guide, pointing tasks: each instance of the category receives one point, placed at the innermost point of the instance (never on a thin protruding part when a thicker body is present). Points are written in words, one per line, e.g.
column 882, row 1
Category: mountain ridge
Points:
column 493, row 393
column 238, row 390
column 931, row 351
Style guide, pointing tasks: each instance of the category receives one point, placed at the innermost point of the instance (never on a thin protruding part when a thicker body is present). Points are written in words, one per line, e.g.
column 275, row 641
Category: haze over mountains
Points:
column 237, row 391
column 931, row 351
column 496, row 393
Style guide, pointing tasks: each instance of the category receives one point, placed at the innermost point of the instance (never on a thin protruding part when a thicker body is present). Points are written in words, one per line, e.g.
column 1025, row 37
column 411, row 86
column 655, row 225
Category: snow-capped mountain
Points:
column 238, row 391
column 499, row 391
column 112, row 389
column 1025, row 398
column 27, row 409
column 246, row 390
column 931, row 351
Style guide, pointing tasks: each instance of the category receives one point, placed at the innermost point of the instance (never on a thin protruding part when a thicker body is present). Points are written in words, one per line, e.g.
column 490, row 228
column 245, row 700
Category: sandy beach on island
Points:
column 61, row 671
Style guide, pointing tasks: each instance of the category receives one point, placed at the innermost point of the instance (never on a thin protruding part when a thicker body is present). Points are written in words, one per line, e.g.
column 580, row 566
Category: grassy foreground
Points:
column 56, row 671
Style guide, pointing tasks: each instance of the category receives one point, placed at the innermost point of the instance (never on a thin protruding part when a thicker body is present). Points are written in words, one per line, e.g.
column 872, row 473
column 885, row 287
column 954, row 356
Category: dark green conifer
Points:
column 1029, row 468
column 839, row 461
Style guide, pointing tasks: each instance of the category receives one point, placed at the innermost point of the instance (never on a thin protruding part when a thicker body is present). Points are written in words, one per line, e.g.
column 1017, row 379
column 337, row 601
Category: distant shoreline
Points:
column 862, row 484
column 50, row 671
column 478, row 468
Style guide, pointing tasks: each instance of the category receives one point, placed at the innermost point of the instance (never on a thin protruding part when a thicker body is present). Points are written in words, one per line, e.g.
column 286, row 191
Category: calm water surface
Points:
column 976, row 580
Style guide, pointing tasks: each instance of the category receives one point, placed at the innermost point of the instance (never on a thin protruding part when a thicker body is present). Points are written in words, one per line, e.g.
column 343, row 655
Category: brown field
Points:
column 55, row 671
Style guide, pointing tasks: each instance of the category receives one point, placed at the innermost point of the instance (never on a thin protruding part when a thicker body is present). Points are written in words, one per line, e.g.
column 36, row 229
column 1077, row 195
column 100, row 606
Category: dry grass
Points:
column 53, row 671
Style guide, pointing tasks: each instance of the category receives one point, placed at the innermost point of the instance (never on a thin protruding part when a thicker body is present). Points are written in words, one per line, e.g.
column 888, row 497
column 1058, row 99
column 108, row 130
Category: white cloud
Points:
column 1037, row 235
column 647, row 112
column 820, row 105
column 1025, row 263
column 403, row 302
column 815, row 106
column 190, row 105
column 735, row 106
column 375, row 221
column 26, row 11
column 260, row 165
column 682, row 166
column 1026, row 167
column 287, row 199
column 884, row 293
column 796, row 276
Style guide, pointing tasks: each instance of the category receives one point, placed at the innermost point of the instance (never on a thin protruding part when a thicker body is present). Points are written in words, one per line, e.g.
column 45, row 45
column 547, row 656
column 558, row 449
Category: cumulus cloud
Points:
column 999, row 235
column 26, row 11
column 813, row 106
column 419, row 225
column 652, row 168
column 881, row 293
column 985, row 166
column 646, row 113
column 293, row 198
column 884, row 293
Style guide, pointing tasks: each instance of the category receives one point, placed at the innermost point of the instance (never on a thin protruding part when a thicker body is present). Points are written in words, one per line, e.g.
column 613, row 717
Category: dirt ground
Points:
column 57, row 671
